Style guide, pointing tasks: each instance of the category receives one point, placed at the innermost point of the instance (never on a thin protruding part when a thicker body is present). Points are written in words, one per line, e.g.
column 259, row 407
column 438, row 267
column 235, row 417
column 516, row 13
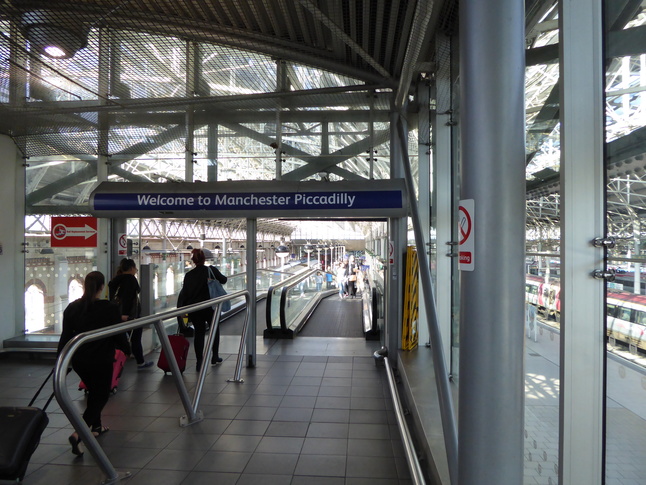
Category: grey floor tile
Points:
column 295, row 390
column 306, row 381
column 321, row 465
column 331, row 416
column 287, row 429
column 293, row 414
column 325, row 446
column 309, row 480
column 367, row 447
column 193, row 441
column 272, row 463
column 368, row 467
column 328, row 430
column 158, row 477
column 280, row 444
column 244, row 443
column 257, row 413
column 170, row 459
column 223, row 462
column 248, row 427
column 262, row 479
column 369, row 431
column 209, row 478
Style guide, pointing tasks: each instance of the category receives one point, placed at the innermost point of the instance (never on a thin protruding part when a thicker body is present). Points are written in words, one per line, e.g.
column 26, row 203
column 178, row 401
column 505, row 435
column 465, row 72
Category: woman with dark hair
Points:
column 195, row 289
column 93, row 361
column 124, row 289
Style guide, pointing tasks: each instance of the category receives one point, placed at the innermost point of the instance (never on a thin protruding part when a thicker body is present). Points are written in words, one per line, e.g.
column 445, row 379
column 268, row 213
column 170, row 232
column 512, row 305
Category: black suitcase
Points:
column 21, row 428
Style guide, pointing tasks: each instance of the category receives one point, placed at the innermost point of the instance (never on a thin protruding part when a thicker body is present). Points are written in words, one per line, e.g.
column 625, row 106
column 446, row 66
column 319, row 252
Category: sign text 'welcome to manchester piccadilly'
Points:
column 239, row 199
column 339, row 199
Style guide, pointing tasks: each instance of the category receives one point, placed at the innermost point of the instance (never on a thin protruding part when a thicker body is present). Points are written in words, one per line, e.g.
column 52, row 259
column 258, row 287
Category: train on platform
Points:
column 625, row 312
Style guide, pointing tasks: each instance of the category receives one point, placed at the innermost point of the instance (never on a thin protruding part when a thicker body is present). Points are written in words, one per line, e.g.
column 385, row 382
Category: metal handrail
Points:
column 449, row 425
column 285, row 290
column 417, row 475
column 287, row 281
column 64, row 360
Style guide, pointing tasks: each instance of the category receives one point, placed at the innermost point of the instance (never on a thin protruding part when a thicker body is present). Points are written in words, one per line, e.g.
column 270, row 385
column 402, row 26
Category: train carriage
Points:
column 625, row 312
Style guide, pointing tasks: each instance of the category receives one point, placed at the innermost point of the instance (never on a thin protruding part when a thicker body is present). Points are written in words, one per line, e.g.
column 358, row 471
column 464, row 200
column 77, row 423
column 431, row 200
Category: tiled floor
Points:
column 313, row 411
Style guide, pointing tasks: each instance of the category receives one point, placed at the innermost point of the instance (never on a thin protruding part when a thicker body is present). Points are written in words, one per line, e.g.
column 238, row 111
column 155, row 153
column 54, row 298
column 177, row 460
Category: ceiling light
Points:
column 52, row 35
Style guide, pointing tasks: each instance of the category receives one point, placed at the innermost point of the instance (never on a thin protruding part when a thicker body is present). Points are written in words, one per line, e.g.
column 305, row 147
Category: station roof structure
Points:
column 250, row 89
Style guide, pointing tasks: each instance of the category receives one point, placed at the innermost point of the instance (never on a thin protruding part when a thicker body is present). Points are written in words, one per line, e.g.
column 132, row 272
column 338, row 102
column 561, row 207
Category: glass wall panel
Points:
column 542, row 320
column 53, row 276
column 626, row 300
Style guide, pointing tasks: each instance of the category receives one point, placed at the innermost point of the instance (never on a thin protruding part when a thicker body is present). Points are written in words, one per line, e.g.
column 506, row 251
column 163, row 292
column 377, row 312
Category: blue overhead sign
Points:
column 383, row 198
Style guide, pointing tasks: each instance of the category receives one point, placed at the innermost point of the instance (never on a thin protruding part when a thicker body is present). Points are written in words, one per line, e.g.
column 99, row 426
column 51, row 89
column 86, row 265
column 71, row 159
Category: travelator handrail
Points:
column 286, row 283
column 64, row 360
column 284, row 292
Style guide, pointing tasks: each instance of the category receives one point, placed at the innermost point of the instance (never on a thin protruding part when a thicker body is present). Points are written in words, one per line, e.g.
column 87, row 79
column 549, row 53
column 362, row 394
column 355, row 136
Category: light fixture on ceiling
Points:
column 282, row 251
column 189, row 247
column 52, row 35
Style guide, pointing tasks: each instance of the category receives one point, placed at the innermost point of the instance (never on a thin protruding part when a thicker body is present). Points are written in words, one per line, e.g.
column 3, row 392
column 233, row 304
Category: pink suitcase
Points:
column 180, row 346
column 119, row 361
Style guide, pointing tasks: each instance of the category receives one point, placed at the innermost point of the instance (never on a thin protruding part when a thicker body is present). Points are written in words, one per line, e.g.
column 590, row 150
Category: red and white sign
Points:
column 466, row 232
column 122, row 243
column 74, row 232
column 391, row 253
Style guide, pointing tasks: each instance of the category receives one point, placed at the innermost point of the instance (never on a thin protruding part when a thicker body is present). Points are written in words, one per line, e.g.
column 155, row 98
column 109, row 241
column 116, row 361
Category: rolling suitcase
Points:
column 180, row 346
column 22, row 428
column 119, row 361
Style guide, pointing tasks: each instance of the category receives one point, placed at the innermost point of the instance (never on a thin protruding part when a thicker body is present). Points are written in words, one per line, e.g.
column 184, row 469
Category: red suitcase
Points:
column 180, row 346
column 119, row 361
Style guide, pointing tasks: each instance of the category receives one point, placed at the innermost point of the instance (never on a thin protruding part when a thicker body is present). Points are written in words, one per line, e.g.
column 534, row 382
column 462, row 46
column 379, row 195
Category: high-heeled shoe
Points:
column 75, row 441
column 99, row 430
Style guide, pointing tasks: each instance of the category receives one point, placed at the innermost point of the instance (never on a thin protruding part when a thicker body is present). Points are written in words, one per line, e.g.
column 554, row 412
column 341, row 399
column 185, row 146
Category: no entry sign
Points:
column 74, row 232
column 466, row 235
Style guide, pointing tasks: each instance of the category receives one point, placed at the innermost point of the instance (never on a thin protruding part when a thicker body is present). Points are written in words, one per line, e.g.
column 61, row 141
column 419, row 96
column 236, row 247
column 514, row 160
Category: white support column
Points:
column 424, row 186
column 104, row 246
column 582, row 220
column 443, row 212
column 252, row 228
column 189, row 155
column 12, row 231
column 492, row 137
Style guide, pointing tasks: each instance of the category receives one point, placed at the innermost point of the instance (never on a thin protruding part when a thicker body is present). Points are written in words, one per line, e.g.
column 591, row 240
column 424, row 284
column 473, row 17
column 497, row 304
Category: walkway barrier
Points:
column 449, row 425
column 193, row 415
column 276, row 300
column 417, row 476
column 369, row 298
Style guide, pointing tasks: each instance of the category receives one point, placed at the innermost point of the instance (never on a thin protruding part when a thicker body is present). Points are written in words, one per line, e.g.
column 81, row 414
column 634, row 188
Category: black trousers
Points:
column 97, row 376
column 135, row 345
column 201, row 320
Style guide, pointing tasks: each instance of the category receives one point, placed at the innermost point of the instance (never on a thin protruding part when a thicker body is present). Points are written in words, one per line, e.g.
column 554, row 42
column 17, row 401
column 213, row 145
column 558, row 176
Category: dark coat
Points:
column 128, row 293
column 195, row 288
column 79, row 317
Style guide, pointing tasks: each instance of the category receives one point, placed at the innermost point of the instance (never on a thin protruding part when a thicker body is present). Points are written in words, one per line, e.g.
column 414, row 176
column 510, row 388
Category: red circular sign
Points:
column 60, row 231
column 464, row 224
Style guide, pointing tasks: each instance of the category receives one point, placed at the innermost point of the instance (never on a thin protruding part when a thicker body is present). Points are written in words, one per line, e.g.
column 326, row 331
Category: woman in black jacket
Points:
column 124, row 289
column 93, row 361
column 195, row 289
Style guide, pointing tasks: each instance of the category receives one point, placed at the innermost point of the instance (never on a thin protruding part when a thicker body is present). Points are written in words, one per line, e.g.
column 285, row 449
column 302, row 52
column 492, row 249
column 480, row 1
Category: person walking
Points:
column 195, row 289
column 353, row 276
column 124, row 289
column 93, row 361
column 341, row 280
